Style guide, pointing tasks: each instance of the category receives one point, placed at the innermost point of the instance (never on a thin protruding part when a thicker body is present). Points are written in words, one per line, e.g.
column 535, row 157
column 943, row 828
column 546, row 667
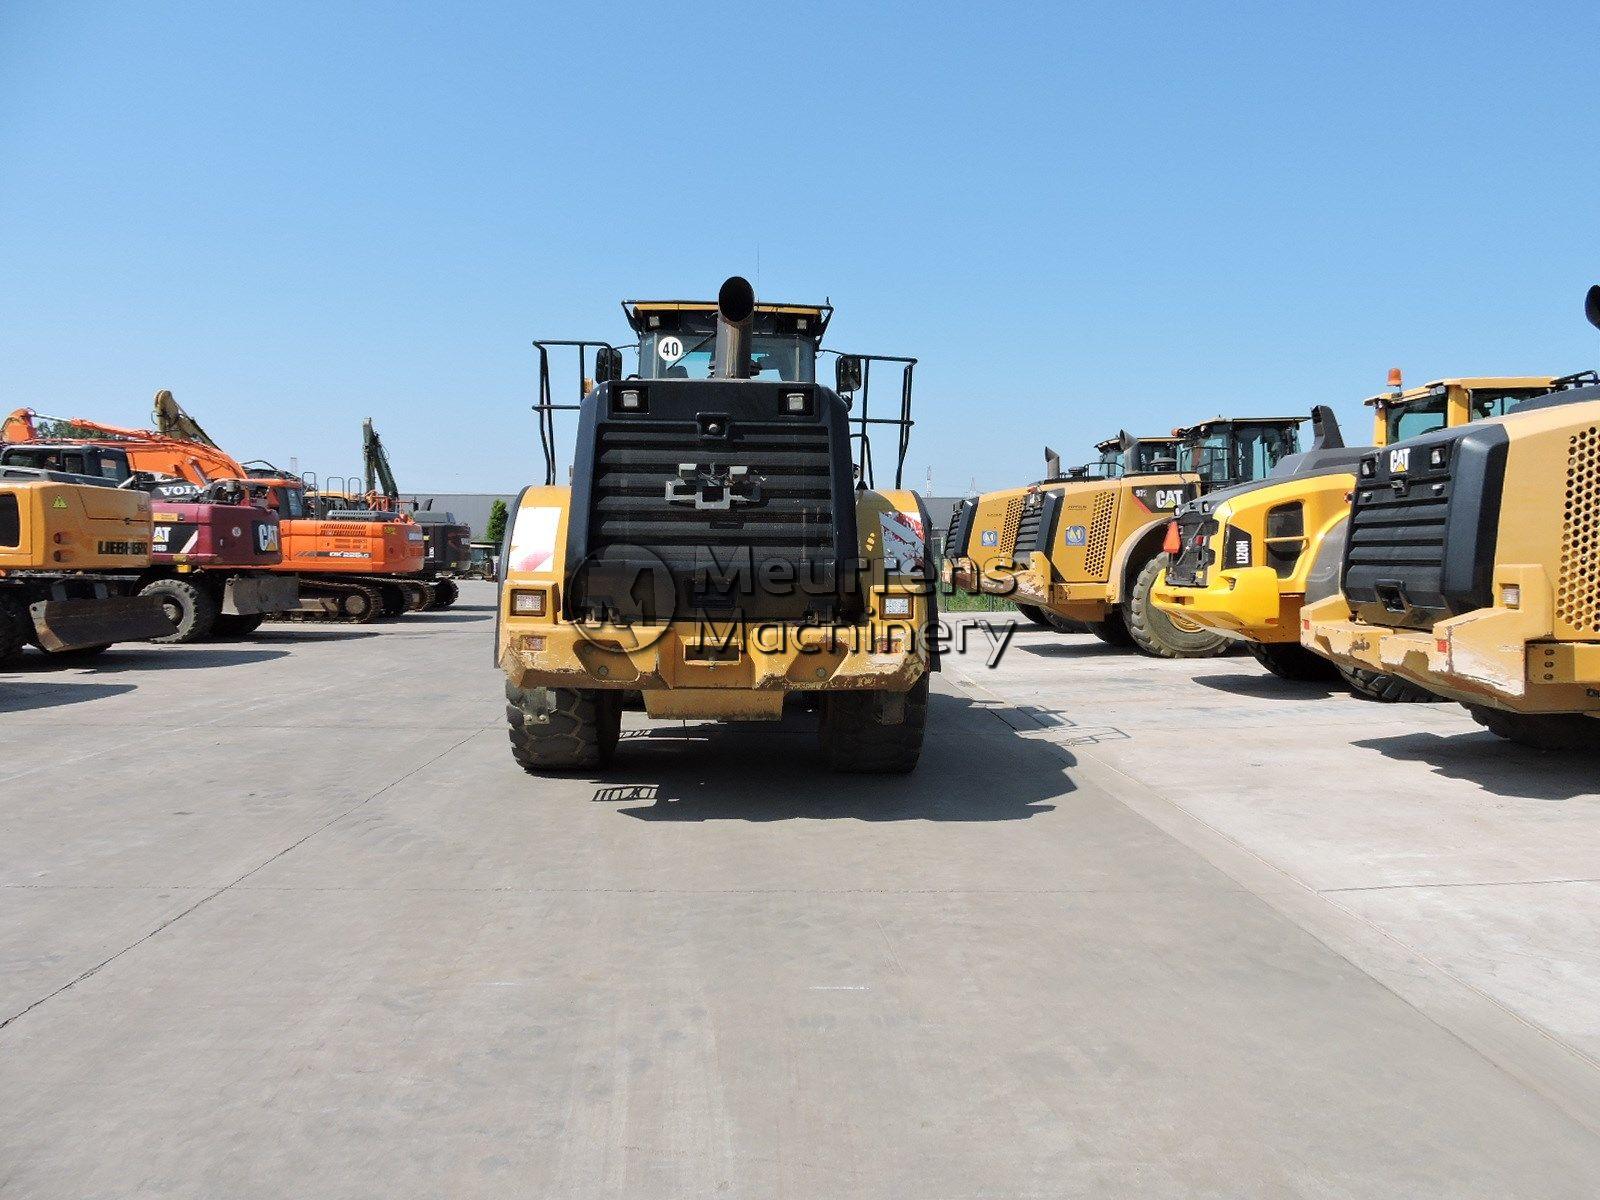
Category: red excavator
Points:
column 356, row 567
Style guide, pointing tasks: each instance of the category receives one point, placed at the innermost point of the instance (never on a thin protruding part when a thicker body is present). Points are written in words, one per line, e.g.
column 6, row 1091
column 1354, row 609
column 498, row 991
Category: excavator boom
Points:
column 380, row 477
column 171, row 421
column 148, row 450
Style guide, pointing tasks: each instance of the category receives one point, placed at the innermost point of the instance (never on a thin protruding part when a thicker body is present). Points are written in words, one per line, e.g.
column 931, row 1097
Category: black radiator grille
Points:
column 1188, row 569
column 951, row 550
column 1396, row 540
column 792, row 520
column 1028, row 526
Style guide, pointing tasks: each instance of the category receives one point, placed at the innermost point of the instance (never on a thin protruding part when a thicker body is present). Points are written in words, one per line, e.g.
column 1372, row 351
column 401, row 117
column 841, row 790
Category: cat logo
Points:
column 1167, row 498
column 59, row 502
column 1400, row 460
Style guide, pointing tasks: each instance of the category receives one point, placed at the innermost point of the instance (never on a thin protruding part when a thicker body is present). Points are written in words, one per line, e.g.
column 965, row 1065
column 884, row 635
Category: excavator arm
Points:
column 380, row 477
column 171, row 421
column 199, row 462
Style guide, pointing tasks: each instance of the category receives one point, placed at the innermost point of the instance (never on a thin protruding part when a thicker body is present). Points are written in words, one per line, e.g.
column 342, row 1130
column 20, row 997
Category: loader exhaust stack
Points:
column 736, row 306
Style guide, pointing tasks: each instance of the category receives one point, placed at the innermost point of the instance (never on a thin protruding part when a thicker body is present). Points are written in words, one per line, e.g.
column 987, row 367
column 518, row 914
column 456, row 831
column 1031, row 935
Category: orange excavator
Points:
column 352, row 567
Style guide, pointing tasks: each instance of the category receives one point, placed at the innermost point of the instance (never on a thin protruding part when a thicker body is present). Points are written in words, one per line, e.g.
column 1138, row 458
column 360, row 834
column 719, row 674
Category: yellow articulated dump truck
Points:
column 71, row 554
column 1249, row 557
column 1472, row 567
column 1009, row 521
column 1090, row 550
column 721, row 549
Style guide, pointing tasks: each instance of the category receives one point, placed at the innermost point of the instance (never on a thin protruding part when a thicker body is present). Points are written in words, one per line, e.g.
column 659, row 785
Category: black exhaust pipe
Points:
column 736, row 306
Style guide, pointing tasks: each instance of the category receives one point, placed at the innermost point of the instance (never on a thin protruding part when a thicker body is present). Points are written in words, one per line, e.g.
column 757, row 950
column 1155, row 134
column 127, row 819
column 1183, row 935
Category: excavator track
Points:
column 335, row 603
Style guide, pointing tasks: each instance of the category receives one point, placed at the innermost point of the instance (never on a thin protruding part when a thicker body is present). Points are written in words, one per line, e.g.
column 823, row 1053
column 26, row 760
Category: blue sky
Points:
column 1078, row 217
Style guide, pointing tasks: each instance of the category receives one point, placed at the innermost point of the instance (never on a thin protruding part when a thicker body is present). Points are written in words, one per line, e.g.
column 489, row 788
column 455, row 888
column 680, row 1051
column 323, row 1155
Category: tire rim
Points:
column 173, row 610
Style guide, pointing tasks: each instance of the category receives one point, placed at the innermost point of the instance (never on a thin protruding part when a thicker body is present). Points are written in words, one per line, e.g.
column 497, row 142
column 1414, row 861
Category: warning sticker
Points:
column 533, row 538
column 903, row 539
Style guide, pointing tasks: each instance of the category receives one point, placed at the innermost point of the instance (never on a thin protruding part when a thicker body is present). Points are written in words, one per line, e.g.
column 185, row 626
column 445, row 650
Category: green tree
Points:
column 496, row 530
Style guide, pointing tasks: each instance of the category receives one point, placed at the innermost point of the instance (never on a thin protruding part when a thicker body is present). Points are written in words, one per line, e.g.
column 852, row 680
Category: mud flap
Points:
column 247, row 595
column 77, row 624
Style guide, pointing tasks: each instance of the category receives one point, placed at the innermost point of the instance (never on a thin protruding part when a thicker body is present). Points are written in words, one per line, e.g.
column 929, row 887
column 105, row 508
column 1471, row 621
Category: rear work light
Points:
column 527, row 604
column 631, row 400
column 797, row 404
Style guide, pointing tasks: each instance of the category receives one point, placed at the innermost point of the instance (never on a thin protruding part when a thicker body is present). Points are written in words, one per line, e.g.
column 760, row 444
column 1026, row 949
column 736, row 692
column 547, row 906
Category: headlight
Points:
column 897, row 606
column 527, row 604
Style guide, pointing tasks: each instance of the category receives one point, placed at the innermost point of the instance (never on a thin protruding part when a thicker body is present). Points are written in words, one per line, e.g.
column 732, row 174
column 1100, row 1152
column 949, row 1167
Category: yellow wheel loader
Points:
column 71, row 554
column 1009, row 520
column 1089, row 549
column 1248, row 557
column 721, row 550
column 1471, row 567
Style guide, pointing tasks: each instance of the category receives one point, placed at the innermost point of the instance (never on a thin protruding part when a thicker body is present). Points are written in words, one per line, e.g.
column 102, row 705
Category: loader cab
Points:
column 1145, row 456
column 677, row 339
column 1447, row 403
column 1228, row 451
column 70, row 458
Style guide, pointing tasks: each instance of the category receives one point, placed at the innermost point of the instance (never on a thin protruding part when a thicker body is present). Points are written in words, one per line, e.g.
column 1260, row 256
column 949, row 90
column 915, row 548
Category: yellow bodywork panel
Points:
column 706, row 668
column 1536, row 647
column 50, row 525
column 1255, row 602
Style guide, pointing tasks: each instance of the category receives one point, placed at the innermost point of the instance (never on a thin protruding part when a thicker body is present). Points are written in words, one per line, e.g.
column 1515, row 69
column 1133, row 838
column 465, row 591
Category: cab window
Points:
column 688, row 355
column 1418, row 417
column 10, row 520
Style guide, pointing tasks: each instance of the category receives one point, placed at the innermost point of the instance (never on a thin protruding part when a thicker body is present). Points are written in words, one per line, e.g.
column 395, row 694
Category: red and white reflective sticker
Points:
column 533, row 538
column 903, row 539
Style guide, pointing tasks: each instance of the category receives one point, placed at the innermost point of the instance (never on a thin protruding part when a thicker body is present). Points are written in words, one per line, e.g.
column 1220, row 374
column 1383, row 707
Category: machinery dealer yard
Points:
column 296, row 923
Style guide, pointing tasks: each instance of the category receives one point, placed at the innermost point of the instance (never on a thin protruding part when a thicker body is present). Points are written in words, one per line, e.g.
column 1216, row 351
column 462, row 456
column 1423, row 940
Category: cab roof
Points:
column 1115, row 442
column 808, row 318
column 1203, row 427
column 1471, row 383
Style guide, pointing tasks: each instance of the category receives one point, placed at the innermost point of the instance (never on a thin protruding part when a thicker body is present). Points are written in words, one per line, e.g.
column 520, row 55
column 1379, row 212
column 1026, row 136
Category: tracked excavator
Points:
column 355, row 569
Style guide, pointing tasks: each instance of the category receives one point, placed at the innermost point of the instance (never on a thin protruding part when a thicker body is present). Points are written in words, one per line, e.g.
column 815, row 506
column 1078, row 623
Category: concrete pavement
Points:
column 295, row 924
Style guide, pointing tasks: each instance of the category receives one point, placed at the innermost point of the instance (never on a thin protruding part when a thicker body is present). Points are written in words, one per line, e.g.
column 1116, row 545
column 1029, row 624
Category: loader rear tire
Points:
column 1113, row 631
column 446, row 593
column 1158, row 633
column 1036, row 615
column 237, row 626
column 1387, row 689
column 15, row 630
column 562, row 729
column 856, row 739
column 1292, row 661
column 1541, row 731
column 192, row 609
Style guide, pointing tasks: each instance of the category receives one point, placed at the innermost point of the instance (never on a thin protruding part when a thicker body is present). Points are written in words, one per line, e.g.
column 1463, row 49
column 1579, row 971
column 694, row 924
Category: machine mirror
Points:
column 607, row 365
column 847, row 374
column 1591, row 306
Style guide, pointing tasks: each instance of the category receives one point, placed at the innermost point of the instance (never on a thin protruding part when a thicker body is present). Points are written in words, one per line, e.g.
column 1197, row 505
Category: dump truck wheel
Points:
column 1541, row 731
column 562, row 729
column 445, row 594
column 1292, row 661
column 1156, row 632
column 1113, row 631
column 238, row 627
column 15, row 627
column 856, row 738
column 1036, row 615
column 1389, row 689
column 192, row 609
